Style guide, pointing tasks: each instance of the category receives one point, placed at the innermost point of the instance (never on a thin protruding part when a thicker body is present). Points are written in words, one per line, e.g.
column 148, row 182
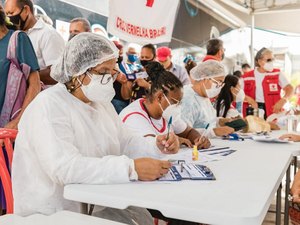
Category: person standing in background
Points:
column 164, row 56
column 46, row 41
column 78, row 25
column 263, row 85
column 122, row 86
column 214, row 50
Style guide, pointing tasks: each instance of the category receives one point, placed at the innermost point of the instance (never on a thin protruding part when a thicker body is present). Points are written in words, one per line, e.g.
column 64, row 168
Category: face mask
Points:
column 223, row 56
column 173, row 110
column 240, row 96
column 269, row 66
column 71, row 36
column 17, row 20
column 120, row 59
column 213, row 91
column 145, row 62
column 132, row 58
column 97, row 92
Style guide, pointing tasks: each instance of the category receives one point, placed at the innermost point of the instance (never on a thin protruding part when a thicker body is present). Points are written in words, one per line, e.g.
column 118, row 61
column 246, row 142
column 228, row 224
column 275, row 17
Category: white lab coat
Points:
column 198, row 112
column 62, row 141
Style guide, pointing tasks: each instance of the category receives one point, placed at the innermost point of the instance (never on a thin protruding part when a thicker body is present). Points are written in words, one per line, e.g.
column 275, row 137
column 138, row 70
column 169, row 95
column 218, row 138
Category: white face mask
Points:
column 269, row 66
column 240, row 96
column 213, row 91
column 173, row 110
column 96, row 91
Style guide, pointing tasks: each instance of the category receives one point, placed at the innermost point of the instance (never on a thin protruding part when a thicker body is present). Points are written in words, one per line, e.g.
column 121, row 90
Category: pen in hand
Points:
column 204, row 132
column 169, row 127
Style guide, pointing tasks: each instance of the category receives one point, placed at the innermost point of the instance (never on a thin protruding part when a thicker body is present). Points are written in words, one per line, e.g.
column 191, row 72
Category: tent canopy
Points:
column 277, row 15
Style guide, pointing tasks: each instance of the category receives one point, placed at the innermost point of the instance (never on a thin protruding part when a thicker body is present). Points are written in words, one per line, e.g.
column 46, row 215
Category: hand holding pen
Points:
column 203, row 141
column 169, row 142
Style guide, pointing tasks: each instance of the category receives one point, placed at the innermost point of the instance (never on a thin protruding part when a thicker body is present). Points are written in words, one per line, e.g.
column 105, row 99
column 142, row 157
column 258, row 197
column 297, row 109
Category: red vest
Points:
column 270, row 86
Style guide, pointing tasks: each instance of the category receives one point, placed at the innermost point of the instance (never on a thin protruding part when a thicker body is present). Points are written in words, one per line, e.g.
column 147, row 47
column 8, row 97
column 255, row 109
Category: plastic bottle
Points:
column 249, row 110
column 195, row 153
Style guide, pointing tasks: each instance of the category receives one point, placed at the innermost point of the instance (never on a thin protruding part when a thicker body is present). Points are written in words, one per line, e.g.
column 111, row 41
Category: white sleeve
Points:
column 60, row 159
column 241, row 83
column 283, row 80
column 136, row 146
column 179, row 126
column 52, row 47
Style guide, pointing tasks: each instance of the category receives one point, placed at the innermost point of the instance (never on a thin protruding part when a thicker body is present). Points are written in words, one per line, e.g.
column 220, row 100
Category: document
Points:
column 269, row 139
column 213, row 153
column 182, row 170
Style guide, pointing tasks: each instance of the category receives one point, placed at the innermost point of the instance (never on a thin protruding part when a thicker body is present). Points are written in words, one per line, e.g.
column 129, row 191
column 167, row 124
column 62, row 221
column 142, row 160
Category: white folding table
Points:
column 246, row 182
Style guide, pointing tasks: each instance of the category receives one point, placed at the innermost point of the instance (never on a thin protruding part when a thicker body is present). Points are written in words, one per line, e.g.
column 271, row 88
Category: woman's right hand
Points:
column 151, row 169
column 290, row 137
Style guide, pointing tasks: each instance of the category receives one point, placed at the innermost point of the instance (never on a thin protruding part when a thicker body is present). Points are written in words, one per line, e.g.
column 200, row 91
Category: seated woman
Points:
column 71, row 134
column 197, row 109
column 149, row 117
column 230, row 92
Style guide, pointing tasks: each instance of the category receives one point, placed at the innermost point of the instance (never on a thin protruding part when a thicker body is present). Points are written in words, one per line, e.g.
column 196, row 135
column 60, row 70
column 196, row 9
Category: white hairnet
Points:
column 207, row 69
column 84, row 51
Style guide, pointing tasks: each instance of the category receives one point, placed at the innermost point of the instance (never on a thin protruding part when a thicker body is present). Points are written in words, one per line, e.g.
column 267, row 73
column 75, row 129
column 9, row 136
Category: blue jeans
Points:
column 119, row 104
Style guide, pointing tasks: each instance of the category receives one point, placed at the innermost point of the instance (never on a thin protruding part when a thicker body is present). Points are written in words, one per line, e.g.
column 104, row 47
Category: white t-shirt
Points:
column 231, row 113
column 259, row 77
column 136, row 118
column 47, row 43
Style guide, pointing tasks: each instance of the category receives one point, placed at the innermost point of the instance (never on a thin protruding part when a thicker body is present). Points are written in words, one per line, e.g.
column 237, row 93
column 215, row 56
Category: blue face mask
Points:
column 132, row 58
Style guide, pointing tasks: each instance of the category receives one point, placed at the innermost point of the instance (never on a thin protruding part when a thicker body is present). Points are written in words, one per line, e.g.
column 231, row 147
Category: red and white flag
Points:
column 142, row 21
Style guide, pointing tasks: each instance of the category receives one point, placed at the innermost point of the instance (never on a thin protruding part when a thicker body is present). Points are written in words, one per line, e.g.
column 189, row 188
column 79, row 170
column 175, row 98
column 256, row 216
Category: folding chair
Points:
column 8, row 135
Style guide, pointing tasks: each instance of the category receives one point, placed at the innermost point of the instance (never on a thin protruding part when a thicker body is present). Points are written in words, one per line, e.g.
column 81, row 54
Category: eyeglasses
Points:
column 219, row 83
column 173, row 102
column 105, row 77
column 269, row 60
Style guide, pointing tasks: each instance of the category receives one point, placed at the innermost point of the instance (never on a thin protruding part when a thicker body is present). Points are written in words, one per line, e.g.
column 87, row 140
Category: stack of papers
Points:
column 213, row 153
column 269, row 139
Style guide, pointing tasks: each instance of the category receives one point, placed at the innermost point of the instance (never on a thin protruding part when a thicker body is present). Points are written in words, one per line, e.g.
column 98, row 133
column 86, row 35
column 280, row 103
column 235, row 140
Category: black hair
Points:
column 225, row 97
column 245, row 65
column 237, row 73
column 190, row 64
column 213, row 46
column 22, row 3
column 152, row 48
column 161, row 79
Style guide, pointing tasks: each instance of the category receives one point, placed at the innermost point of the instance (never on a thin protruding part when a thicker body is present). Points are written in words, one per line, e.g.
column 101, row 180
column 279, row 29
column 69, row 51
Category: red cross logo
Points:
column 150, row 3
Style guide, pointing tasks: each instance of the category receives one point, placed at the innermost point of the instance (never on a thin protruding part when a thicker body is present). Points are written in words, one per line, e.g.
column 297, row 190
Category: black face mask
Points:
column 2, row 18
column 17, row 20
column 145, row 62
column 71, row 36
column 120, row 59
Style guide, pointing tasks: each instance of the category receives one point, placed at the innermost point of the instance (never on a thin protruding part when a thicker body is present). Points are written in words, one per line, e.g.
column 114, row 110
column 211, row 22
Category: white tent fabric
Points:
column 277, row 15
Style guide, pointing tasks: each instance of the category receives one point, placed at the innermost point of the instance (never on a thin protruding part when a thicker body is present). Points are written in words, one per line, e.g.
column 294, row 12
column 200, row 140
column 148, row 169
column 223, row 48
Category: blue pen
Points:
column 204, row 132
column 169, row 126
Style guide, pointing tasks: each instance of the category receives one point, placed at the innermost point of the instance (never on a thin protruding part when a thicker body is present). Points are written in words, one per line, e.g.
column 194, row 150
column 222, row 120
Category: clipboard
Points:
column 188, row 171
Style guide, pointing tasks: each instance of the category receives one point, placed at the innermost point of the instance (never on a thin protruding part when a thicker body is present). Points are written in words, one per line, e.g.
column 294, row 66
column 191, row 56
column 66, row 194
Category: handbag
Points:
column 16, row 83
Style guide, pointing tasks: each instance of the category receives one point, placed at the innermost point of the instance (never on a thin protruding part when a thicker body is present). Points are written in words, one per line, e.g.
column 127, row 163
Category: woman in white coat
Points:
column 71, row 134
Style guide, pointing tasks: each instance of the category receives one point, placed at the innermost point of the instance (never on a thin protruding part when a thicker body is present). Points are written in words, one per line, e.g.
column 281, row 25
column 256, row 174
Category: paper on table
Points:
column 205, row 155
column 269, row 139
